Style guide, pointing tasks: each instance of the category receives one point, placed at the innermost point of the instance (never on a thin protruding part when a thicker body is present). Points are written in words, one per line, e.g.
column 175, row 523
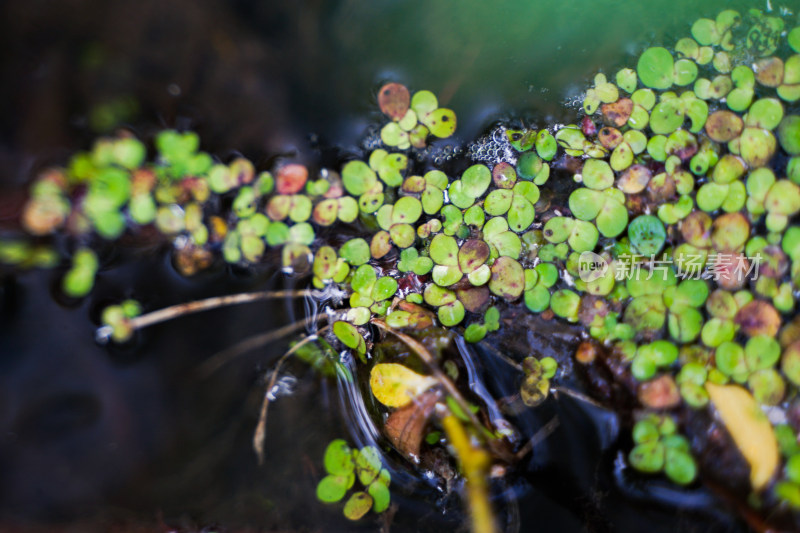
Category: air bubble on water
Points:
column 180, row 242
column 372, row 140
column 103, row 334
column 283, row 387
column 493, row 148
column 331, row 292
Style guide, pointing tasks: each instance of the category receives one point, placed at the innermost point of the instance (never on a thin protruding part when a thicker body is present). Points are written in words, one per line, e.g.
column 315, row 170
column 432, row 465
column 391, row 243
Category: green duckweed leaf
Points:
column 350, row 337
column 655, row 68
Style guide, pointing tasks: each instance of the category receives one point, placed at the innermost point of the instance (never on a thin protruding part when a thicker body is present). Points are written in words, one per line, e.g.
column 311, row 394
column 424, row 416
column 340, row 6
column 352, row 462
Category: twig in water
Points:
column 259, row 437
column 175, row 311
column 544, row 432
column 216, row 361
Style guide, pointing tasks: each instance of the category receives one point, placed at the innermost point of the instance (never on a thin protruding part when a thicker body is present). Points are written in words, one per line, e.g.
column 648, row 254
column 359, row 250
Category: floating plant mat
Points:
column 647, row 255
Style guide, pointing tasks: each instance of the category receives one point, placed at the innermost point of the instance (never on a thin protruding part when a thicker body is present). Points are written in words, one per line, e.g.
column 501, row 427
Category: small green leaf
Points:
column 339, row 458
column 333, row 488
column 380, row 496
column 358, row 505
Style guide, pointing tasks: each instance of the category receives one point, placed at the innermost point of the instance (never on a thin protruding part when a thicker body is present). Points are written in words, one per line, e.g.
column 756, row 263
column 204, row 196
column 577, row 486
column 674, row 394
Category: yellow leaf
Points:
column 395, row 385
column 750, row 430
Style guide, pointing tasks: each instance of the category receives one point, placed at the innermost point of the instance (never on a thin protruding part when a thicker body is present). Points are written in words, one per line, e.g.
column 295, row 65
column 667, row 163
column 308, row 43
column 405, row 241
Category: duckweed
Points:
column 685, row 160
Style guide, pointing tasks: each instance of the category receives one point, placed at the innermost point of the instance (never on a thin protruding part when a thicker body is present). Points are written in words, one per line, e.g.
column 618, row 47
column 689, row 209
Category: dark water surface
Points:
column 92, row 435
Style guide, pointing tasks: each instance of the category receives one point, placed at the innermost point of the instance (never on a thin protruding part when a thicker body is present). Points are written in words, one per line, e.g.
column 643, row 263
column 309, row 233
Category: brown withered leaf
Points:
column 619, row 112
column 405, row 427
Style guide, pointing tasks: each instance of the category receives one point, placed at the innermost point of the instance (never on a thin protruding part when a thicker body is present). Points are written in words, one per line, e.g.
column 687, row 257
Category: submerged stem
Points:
column 216, row 361
column 259, row 437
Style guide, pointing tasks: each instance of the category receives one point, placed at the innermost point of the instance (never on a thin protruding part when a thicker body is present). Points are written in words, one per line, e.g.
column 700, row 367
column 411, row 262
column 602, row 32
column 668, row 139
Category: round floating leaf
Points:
column 333, row 488
column 679, row 466
column 393, row 135
column 290, row 179
column 612, row 219
column 529, row 165
column 472, row 254
column 451, row 314
column 380, row 244
column 508, row 278
column 403, row 235
column 441, row 122
column 583, row 237
column 585, row 203
column 648, row 457
column 723, row 126
column 355, row 251
column 406, row 210
column 521, row 214
column 627, row 80
column 394, row 100
column 767, row 385
column 444, row 250
column 384, row 288
column 597, row 174
column 789, row 134
column 498, row 202
column 765, row 113
column 647, row 234
column 380, row 496
column 358, row 505
column 339, row 458
column 565, row 303
column 730, row 360
column 757, row 146
column 367, row 464
column 761, row 352
column 504, row 175
column 684, row 72
column 458, row 197
column 729, row 232
column 436, row 296
column 667, row 116
column 395, row 385
column 546, row 145
column 432, row 200
column 358, row 178
column 423, row 102
column 634, row 179
column 534, row 390
column 476, row 180
column 705, row 32
column 655, row 68
column 350, row 337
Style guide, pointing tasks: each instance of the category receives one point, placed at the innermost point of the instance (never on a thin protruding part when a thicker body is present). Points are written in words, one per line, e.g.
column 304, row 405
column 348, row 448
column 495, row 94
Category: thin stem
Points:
column 428, row 359
column 260, row 435
column 474, row 462
column 218, row 360
column 543, row 432
column 503, row 357
column 175, row 311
